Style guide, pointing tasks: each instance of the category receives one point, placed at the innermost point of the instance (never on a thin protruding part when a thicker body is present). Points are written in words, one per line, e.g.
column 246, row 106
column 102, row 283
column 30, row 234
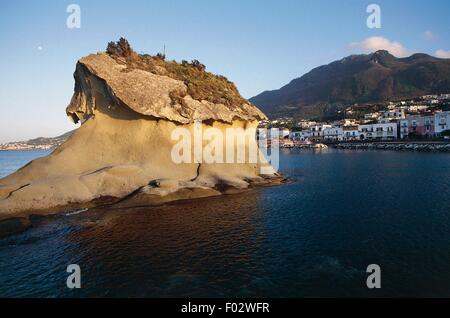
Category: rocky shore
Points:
column 398, row 146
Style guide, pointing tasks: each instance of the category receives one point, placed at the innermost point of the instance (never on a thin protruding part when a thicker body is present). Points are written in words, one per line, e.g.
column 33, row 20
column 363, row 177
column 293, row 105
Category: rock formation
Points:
column 129, row 105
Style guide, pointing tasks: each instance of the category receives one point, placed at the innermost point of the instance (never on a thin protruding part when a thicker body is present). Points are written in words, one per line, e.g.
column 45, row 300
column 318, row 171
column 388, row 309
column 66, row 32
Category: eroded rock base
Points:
column 157, row 192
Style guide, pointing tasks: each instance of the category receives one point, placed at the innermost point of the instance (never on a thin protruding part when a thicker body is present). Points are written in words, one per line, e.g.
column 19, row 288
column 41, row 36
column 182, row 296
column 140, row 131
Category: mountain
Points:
column 365, row 78
column 37, row 143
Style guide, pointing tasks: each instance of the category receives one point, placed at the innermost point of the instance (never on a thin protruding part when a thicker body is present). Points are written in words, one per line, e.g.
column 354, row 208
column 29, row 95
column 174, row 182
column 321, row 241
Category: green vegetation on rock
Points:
column 201, row 85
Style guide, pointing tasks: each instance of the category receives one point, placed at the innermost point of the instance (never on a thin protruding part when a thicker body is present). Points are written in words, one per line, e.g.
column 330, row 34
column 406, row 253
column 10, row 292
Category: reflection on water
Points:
column 218, row 238
column 136, row 252
column 312, row 237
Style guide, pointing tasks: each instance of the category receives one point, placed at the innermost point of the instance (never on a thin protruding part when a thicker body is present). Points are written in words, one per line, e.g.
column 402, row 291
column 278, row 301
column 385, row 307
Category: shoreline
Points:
column 420, row 146
column 49, row 149
column 19, row 222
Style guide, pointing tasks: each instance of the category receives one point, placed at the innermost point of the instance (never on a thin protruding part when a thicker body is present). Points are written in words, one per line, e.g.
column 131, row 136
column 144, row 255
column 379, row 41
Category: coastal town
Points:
column 41, row 143
column 23, row 145
column 423, row 119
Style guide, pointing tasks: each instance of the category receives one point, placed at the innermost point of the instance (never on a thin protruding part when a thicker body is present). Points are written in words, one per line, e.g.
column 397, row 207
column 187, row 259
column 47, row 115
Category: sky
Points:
column 260, row 45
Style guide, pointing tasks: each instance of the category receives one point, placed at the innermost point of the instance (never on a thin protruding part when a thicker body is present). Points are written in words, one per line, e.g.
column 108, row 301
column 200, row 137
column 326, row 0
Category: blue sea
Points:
column 11, row 160
column 313, row 237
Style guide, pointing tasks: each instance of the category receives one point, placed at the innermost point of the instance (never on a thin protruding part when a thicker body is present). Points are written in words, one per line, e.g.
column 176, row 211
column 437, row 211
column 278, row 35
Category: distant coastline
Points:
column 14, row 147
column 40, row 143
column 28, row 149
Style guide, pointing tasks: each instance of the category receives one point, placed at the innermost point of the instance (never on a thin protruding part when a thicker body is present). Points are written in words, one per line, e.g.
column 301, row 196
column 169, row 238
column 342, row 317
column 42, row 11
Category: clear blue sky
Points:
column 258, row 44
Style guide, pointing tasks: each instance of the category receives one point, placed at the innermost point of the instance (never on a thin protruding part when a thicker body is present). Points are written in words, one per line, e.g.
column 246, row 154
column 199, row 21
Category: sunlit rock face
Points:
column 147, row 94
column 123, row 153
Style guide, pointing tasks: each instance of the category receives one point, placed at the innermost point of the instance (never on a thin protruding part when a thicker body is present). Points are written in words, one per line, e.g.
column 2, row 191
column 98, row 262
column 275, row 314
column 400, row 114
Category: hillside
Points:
column 367, row 78
column 37, row 143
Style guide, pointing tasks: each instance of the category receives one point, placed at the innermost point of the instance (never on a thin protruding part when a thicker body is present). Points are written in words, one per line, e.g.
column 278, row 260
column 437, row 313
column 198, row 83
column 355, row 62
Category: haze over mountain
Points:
column 364, row 79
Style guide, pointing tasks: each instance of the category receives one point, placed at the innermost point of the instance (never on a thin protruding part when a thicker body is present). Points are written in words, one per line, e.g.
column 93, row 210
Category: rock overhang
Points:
column 149, row 94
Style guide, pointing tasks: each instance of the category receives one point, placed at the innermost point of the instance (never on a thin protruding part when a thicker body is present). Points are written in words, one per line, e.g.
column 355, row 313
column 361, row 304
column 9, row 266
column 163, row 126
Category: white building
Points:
column 430, row 96
column 350, row 132
column 317, row 131
column 418, row 108
column 284, row 132
column 393, row 114
column 334, row 133
column 372, row 116
column 441, row 122
column 382, row 131
column 302, row 135
column 349, row 122
column 306, row 124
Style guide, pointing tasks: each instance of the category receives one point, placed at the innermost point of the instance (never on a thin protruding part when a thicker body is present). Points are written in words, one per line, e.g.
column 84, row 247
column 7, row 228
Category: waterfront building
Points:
column 301, row 135
column 378, row 131
column 350, row 132
column 424, row 126
column 317, row 131
column 334, row 133
column 390, row 126
column 420, row 126
column 441, row 122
